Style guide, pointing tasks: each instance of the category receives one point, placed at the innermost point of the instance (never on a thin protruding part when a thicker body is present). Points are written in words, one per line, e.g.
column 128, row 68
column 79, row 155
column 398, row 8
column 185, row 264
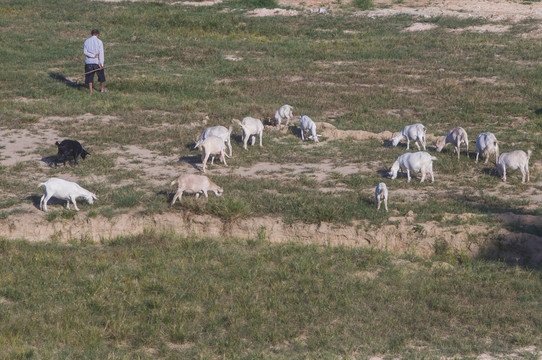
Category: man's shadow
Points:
column 63, row 79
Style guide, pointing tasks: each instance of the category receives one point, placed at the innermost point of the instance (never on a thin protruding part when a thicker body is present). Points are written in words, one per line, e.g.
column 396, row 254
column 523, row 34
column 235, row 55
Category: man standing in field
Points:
column 94, row 52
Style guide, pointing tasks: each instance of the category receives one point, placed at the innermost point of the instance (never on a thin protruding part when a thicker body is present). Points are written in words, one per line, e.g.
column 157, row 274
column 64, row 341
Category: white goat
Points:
column 417, row 162
column 381, row 194
column 194, row 184
column 486, row 143
column 64, row 190
column 514, row 160
column 220, row 131
column 306, row 124
column 456, row 136
column 284, row 112
column 212, row 146
column 414, row 132
column 251, row 127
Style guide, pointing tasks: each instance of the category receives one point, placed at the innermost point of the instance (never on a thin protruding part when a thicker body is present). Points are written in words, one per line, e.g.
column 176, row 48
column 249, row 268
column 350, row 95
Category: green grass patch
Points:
column 187, row 297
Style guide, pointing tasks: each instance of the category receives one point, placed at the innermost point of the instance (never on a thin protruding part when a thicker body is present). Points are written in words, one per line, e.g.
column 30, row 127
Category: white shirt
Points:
column 94, row 46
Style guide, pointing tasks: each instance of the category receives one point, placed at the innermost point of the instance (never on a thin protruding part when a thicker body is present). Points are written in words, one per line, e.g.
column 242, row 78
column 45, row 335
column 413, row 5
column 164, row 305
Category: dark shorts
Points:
column 89, row 78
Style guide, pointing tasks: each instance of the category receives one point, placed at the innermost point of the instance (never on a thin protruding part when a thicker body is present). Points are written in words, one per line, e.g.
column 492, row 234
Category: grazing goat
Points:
column 381, row 194
column 414, row 132
column 70, row 149
column 284, row 112
column 456, row 136
column 194, row 184
column 416, row 162
column 212, row 146
column 306, row 124
column 514, row 160
column 220, row 131
column 64, row 190
column 251, row 127
column 486, row 143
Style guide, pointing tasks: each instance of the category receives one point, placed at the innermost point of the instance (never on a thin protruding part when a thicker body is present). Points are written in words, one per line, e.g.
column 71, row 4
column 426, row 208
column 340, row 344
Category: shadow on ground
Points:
column 67, row 82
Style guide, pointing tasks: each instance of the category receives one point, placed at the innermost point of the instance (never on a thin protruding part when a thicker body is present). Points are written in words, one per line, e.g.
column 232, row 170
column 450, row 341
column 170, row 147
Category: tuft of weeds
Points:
column 127, row 197
column 364, row 4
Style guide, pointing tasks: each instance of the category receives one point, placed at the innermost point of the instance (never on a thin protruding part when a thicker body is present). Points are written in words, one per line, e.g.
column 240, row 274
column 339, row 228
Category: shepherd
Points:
column 94, row 61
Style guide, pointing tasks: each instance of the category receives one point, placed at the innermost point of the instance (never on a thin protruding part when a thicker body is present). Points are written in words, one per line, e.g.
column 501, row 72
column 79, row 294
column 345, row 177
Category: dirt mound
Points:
column 332, row 133
column 401, row 235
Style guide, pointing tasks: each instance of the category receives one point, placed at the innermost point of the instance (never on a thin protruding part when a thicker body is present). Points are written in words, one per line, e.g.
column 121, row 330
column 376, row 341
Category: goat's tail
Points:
column 57, row 143
column 529, row 152
column 42, row 184
column 434, row 158
column 174, row 182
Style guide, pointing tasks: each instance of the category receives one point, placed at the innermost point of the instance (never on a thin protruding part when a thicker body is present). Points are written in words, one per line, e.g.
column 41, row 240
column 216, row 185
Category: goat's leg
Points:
column 229, row 146
column 68, row 204
column 424, row 173
column 41, row 203
column 418, row 146
column 45, row 201
column 527, row 171
column 72, row 198
column 386, row 204
column 377, row 202
column 178, row 195
column 205, row 162
column 408, row 175
column 407, row 142
column 457, row 148
column 261, row 133
column 252, row 140
column 423, row 143
column 245, row 142
column 503, row 173
column 205, row 193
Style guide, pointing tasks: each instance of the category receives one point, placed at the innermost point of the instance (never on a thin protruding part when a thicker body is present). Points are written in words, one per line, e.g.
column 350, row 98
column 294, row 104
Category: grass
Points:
column 366, row 73
column 162, row 295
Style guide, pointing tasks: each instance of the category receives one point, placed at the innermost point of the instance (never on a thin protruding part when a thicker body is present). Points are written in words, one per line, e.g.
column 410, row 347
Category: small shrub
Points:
column 51, row 215
column 68, row 214
column 441, row 247
column 363, row 4
column 229, row 209
column 254, row 4
column 126, row 197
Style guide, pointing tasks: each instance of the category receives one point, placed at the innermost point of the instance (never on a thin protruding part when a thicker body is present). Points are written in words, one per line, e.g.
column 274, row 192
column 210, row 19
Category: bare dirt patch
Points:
column 494, row 10
column 22, row 145
column 420, row 27
column 271, row 12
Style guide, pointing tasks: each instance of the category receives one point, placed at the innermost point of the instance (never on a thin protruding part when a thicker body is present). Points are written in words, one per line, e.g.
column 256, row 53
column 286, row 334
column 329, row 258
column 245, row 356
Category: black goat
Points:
column 69, row 149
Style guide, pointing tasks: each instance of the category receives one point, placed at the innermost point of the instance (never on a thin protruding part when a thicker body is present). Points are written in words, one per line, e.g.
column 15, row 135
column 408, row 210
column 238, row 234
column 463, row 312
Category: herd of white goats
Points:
column 214, row 140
